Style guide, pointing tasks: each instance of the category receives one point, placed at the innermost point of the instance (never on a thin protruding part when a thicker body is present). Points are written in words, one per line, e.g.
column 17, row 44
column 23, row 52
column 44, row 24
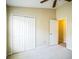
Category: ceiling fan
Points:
column 54, row 3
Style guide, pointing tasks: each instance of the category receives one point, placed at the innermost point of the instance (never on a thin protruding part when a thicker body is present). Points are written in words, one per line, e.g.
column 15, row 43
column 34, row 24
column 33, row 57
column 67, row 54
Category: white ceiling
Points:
column 33, row 3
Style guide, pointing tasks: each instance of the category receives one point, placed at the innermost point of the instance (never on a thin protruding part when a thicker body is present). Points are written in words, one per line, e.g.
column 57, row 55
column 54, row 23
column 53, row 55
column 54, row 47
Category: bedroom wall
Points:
column 66, row 11
column 42, row 21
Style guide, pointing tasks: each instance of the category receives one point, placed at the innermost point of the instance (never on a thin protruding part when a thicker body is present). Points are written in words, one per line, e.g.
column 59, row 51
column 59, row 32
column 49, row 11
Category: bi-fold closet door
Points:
column 22, row 33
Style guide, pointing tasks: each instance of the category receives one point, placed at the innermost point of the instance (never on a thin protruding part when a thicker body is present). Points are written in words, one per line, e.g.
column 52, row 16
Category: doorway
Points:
column 61, row 31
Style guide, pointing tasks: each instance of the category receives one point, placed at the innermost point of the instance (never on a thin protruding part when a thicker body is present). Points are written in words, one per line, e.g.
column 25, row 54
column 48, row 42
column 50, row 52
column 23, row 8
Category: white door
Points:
column 22, row 32
column 53, row 32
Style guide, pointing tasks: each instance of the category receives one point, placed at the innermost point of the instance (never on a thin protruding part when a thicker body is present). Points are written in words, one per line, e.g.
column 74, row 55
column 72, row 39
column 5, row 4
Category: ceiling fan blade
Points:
column 54, row 4
column 43, row 1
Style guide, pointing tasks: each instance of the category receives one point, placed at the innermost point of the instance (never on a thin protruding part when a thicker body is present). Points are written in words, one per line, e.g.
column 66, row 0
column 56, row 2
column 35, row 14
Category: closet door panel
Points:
column 18, row 34
column 30, row 34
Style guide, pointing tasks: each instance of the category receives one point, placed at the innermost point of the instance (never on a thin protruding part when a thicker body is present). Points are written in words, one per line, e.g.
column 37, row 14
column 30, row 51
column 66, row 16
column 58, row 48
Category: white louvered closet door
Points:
column 23, row 33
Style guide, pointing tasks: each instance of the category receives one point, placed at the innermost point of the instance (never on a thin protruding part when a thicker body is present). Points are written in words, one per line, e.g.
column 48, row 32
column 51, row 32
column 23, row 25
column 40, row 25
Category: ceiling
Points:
column 34, row 3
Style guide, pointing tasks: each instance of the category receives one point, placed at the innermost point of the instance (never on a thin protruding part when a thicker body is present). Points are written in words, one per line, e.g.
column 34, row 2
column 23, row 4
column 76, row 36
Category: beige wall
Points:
column 66, row 11
column 42, row 21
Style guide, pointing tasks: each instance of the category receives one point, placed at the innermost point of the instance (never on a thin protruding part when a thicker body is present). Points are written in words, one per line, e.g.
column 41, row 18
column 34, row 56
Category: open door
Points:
column 53, row 32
